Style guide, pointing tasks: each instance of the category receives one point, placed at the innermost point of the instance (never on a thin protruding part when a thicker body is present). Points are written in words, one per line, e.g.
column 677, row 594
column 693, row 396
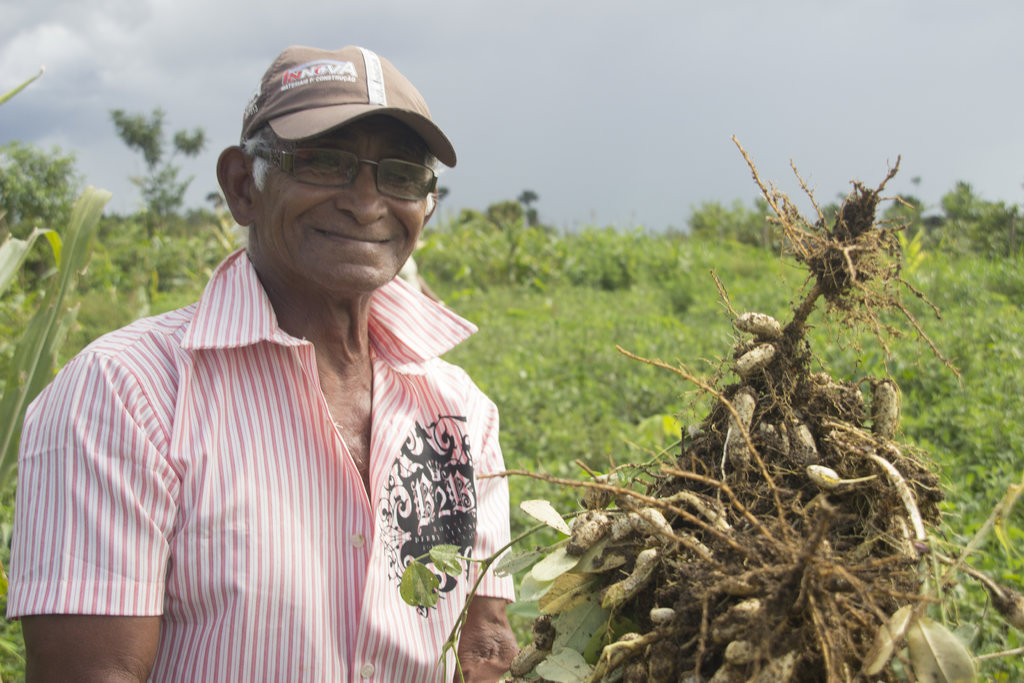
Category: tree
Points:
column 714, row 220
column 505, row 214
column 973, row 224
column 37, row 188
column 527, row 198
column 162, row 192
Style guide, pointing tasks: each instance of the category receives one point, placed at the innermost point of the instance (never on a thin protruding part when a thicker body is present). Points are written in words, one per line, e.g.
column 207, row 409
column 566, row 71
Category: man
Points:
column 231, row 491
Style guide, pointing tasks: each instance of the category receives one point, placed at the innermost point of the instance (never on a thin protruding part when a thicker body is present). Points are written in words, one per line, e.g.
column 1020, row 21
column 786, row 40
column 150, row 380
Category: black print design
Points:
column 429, row 497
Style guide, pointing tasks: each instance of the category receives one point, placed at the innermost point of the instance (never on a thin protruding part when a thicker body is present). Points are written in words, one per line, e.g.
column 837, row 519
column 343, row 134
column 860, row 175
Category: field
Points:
column 552, row 310
column 547, row 354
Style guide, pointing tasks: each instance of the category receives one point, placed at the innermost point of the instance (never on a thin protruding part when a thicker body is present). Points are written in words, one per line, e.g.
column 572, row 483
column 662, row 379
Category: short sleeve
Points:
column 95, row 503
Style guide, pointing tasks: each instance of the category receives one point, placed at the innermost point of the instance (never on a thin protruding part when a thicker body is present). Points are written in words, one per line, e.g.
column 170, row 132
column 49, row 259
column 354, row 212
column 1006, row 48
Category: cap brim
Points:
column 310, row 122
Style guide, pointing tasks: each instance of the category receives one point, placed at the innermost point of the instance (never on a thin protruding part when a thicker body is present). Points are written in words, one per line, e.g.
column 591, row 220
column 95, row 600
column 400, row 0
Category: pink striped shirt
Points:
column 187, row 466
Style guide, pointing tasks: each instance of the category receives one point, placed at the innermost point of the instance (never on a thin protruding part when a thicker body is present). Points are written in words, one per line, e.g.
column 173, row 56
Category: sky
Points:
column 614, row 113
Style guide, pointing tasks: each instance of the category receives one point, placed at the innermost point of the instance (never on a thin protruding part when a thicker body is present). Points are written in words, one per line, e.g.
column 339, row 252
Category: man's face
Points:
column 338, row 242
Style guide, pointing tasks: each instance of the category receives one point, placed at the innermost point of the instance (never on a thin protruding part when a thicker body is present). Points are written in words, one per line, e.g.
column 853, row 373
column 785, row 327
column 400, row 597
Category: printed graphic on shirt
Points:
column 429, row 497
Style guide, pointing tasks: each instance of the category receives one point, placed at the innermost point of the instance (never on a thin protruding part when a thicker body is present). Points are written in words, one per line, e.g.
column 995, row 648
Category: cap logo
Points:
column 317, row 72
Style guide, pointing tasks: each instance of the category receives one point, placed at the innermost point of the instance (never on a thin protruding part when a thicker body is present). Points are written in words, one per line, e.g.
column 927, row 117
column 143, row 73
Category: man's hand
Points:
column 88, row 648
column 486, row 644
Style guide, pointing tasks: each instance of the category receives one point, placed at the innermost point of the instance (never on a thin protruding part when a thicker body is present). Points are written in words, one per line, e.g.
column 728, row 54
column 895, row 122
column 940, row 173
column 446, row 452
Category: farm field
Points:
column 552, row 310
column 547, row 354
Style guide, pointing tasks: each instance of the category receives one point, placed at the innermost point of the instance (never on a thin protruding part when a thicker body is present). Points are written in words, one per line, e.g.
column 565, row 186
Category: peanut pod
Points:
column 759, row 324
column 736, row 451
column 755, row 360
column 885, row 408
column 620, row 592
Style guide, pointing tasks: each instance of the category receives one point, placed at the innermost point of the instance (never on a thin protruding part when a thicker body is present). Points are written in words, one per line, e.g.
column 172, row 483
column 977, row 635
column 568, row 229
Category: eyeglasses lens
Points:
column 336, row 168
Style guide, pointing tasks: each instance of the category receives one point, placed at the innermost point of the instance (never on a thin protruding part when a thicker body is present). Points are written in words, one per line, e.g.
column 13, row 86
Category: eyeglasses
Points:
column 337, row 168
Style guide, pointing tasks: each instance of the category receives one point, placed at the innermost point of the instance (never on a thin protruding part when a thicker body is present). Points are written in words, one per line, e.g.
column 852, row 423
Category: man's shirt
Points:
column 187, row 466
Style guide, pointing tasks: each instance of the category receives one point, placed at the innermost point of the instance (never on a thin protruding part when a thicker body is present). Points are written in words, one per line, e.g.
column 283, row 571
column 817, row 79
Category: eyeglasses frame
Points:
column 284, row 161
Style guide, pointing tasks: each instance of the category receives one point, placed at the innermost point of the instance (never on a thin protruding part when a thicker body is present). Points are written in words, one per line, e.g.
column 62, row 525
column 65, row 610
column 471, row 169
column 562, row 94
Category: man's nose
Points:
column 363, row 200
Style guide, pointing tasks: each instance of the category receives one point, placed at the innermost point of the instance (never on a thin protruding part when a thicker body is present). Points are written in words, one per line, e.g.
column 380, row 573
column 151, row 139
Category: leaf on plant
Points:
column 446, row 558
column 8, row 95
column 888, row 633
column 617, row 627
column 564, row 666
column 601, row 557
column 543, row 511
column 35, row 354
column 12, row 254
column 576, row 627
column 526, row 610
column 511, row 563
column 938, row 655
column 530, row 589
column 671, row 427
column 554, row 565
column 419, row 585
column 56, row 244
column 566, row 592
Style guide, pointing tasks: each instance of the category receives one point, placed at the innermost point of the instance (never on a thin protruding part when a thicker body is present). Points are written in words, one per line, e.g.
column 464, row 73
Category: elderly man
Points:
column 231, row 491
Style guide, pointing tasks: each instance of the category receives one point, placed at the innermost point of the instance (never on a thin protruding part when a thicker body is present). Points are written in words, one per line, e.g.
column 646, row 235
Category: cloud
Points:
column 614, row 113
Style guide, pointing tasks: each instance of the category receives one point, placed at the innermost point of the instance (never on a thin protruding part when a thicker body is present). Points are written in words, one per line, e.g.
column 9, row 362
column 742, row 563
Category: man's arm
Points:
column 486, row 644
column 89, row 648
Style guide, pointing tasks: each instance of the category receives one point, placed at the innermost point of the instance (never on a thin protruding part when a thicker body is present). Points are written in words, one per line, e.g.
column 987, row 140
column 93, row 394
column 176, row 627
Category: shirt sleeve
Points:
column 95, row 503
column 492, row 530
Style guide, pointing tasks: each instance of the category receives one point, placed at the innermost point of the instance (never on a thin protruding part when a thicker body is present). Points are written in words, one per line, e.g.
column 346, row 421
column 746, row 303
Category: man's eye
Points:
column 400, row 175
column 324, row 160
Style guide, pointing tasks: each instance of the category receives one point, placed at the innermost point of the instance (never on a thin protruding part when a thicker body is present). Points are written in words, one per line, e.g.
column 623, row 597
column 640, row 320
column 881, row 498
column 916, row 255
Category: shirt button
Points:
column 358, row 541
column 366, row 671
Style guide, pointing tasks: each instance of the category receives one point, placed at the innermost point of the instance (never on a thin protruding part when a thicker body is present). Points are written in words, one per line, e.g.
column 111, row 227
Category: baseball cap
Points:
column 307, row 91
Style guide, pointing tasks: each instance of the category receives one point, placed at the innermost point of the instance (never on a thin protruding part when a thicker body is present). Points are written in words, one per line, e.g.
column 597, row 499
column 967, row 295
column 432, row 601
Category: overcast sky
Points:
column 614, row 113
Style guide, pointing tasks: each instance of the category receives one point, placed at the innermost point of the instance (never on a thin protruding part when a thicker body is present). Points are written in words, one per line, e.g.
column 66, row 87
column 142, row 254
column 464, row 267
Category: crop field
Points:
column 563, row 317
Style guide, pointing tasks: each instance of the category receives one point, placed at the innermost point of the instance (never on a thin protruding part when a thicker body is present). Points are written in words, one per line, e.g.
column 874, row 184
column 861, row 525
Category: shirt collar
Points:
column 406, row 328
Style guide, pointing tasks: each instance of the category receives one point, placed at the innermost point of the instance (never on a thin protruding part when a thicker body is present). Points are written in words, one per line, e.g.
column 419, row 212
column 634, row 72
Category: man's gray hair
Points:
column 264, row 138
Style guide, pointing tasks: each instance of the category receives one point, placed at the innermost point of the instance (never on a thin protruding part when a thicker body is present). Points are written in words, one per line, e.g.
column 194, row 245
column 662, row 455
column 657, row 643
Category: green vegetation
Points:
column 162, row 192
column 552, row 308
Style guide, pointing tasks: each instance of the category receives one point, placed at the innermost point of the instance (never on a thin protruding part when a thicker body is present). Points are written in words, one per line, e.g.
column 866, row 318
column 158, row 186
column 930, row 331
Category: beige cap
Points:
column 307, row 91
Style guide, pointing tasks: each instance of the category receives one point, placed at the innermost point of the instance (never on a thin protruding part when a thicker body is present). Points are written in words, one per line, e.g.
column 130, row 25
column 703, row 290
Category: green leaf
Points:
column 532, row 589
column 938, row 655
column 576, row 627
column 543, row 511
column 564, row 666
column 446, row 558
column 35, row 355
column 602, row 556
column 567, row 591
column 554, row 565
column 12, row 254
column 14, row 251
column 618, row 627
column 512, row 563
column 419, row 585
column 12, row 93
column 527, row 611
column 56, row 244
column 888, row 634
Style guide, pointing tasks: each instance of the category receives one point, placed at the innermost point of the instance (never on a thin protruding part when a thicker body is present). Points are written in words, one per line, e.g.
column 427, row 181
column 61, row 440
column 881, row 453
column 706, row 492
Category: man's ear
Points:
column 431, row 205
column 234, row 173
